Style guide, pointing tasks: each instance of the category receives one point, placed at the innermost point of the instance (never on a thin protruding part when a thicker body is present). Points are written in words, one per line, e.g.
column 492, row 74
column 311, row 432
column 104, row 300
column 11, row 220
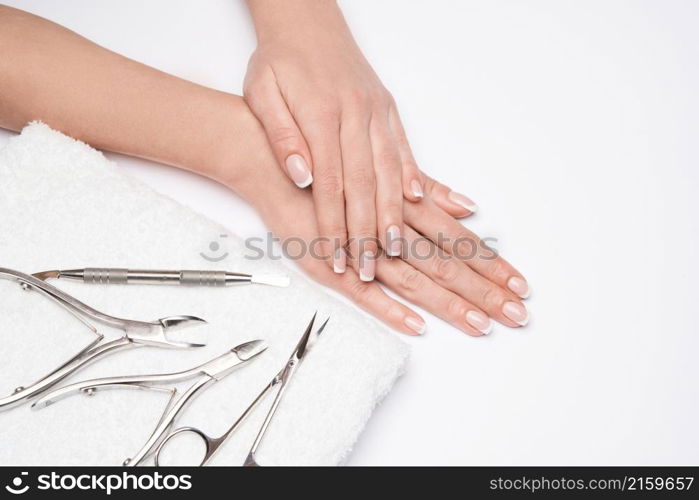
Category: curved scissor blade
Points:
column 316, row 335
column 322, row 327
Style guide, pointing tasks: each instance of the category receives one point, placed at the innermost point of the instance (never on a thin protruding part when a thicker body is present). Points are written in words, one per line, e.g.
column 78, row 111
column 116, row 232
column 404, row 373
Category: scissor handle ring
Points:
column 206, row 439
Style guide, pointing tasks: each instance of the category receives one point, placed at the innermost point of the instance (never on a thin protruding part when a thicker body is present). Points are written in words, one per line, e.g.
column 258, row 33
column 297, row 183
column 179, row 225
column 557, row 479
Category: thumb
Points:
column 288, row 144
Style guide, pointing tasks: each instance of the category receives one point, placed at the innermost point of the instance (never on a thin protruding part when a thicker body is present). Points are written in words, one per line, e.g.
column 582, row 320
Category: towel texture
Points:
column 64, row 205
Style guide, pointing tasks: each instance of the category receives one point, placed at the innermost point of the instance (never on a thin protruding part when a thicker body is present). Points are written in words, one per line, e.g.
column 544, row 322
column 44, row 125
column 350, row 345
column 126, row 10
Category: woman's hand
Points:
column 332, row 123
column 447, row 271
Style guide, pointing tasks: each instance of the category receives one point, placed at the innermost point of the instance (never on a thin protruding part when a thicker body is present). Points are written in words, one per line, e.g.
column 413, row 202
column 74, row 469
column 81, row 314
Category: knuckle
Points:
column 364, row 236
column 497, row 268
column 256, row 92
column 388, row 159
column 380, row 98
column 283, row 136
column 387, row 96
column 466, row 247
column 428, row 182
column 445, row 269
column 491, row 298
column 329, row 183
column 336, row 230
column 360, row 291
column 411, row 280
column 250, row 89
column 358, row 97
column 422, row 249
column 409, row 165
column 393, row 208
column 362, row 179
column 395, row 312
column 324, row 109
column 455, row 307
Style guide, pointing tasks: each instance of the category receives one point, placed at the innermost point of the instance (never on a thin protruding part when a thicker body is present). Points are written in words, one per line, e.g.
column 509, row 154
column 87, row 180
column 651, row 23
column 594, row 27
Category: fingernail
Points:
column 395, row 245
column 416, row 188
column 367, row 266
column 416, row 325
column 339, row 261
column 479, row 321
column 519, row 286
column 516, row 312
column 298, row 171
column 463, row 201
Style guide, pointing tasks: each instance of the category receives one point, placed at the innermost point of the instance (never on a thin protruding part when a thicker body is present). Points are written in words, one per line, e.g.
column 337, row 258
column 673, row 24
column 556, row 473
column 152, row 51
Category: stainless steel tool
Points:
column 109, row 276
column 281, row 380
column 207, row 373
column 136, row 333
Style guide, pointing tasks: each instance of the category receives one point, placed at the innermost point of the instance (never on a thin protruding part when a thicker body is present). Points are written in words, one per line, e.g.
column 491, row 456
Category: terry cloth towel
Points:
column 64, row 205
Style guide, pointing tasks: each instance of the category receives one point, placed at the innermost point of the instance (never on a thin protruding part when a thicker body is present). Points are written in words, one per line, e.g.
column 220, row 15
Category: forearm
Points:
column 51, row 74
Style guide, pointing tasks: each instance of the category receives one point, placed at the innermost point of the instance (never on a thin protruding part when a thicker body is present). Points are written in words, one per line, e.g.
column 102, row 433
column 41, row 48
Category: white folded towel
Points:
column 63, row 205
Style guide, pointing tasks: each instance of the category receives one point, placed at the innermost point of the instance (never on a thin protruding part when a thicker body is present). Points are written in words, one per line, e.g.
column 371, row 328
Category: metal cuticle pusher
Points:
column 117, row 276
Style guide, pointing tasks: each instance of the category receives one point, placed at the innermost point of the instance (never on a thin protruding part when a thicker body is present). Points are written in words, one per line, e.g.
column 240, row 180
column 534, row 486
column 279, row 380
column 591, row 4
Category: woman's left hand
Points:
column 330, row 121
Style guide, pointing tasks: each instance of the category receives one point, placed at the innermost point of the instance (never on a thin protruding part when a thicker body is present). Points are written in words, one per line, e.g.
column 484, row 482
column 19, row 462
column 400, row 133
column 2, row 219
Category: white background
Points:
column 574, row 126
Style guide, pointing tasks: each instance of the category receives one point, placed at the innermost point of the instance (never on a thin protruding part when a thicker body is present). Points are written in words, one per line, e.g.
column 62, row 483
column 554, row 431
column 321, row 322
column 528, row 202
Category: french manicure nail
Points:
column 367, row 266
column 395, row 245
column 339, row 261
column 519, row 286
column 416, row 325
column 516, row 312
column 416, row 188
column 462, row 201
column 479, row 321
column 298, row 170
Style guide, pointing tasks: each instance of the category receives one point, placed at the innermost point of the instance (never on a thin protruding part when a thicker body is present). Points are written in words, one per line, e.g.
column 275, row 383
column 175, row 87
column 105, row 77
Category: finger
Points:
column 412, row 181
column 455, row 204
column 360, row 194
column 418, row 288
column 323, row 134
column 389, row 192
column 416, row 184
column 370, row 297
column 452, row 274
column 429, row 220
column 287, row 141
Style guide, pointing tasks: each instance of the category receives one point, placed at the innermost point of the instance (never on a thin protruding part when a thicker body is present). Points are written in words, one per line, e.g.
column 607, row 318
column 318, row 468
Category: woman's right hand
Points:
column 465, row 283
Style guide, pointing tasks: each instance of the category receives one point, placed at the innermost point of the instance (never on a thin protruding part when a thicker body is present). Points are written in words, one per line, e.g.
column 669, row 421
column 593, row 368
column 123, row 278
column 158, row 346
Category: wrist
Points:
column 232, row 149
column 295, row 20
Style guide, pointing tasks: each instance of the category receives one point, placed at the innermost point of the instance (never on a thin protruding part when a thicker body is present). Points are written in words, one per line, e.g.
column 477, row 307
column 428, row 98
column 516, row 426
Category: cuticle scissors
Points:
column 281, row 379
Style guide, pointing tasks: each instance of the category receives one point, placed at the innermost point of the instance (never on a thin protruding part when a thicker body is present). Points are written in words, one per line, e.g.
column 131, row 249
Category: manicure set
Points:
column 156, row 334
